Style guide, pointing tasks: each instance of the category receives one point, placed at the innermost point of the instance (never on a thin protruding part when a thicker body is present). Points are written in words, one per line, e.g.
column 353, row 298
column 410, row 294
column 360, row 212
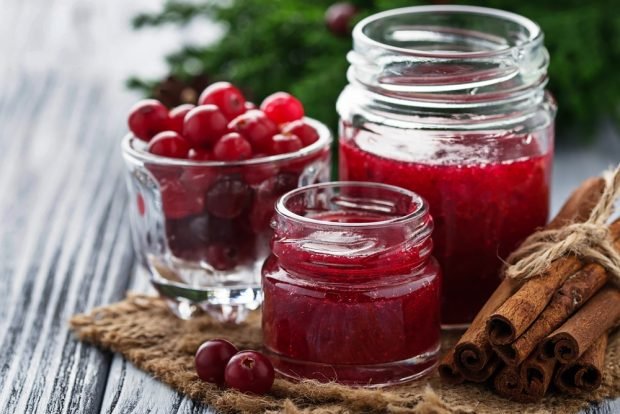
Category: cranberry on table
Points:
column 255, row 127
column 225, row 96
column 249, row 372
column 228, row 197
column 147, row 118
column 204, row 125
column 282, row 107
column 169, row 144
column 176, row 117
column 306, row 132
column 211, row 359
column 284, row 143
column 232, row 147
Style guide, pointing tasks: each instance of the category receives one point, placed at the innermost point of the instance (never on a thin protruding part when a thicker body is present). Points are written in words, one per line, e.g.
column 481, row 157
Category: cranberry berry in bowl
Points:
column 203, row 181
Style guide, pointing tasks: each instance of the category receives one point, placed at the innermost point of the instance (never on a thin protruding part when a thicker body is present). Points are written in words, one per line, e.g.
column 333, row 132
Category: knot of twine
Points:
column 589, row 240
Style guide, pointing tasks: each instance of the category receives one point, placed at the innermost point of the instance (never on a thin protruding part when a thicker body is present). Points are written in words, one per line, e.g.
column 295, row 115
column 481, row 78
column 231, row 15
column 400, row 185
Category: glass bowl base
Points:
column 228, row 296
column 222, row 304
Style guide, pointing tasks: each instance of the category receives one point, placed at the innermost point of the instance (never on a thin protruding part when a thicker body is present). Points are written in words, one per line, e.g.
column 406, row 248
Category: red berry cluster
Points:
column 220, row 362
column 223, row 127
column 220, row 215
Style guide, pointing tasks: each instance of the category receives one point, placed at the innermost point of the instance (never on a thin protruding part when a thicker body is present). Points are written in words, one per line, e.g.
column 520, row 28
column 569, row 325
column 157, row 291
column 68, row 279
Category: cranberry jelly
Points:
column 481, row 212
column 351, row 293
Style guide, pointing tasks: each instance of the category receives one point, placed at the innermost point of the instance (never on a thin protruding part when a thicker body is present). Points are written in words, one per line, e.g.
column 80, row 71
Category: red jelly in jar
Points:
column 457, row 113
column 351, row 291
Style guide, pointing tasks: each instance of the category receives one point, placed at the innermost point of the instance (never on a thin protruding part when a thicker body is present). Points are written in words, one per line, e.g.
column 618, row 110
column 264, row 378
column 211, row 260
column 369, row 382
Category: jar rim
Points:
column 419, row 212
column 133, row 154
column 534, row 30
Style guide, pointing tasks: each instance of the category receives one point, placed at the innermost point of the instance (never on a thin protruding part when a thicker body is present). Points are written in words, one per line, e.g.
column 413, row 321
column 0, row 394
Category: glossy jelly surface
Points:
column 486, row 194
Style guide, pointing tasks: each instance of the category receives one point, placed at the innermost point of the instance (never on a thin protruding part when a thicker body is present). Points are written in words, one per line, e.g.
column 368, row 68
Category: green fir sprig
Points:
column 272, row 45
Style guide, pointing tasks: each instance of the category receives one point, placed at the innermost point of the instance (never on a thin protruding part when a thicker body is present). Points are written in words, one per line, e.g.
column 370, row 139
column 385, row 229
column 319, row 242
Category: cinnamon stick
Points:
column 536, row 376
column 448, row 371
column 473, row 352
column 511, row 319
column 570, row 297
column 508, row 383
column 601, row 313
column 585, row 374
column 518, row 312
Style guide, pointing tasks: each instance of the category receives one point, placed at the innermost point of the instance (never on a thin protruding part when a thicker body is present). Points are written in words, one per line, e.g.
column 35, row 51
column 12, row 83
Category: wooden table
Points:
column 64, row 240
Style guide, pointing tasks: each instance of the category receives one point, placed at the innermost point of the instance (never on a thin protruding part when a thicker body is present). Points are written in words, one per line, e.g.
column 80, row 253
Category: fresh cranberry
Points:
column 204, row 125
column 282, row 107
column 249, row 372
column 199, row 154
column 306, row 132
column 176, row 117
column 249, row 105
column 266, row 196
column 232, row 147
column 228, row 197
column 257, row 173
column 222, row 257
column 338, row 18
column 169, row 144
column 256, row 128
column 277, row 185
column 225, row 96
column 211, row 359
column 198, row 178
column 284, row 143
column 164, row 173
column 179, row 201
column 147, row 118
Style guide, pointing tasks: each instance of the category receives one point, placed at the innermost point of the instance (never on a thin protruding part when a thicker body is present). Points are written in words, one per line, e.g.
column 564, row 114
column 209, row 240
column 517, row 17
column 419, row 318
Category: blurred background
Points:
column 300, row 46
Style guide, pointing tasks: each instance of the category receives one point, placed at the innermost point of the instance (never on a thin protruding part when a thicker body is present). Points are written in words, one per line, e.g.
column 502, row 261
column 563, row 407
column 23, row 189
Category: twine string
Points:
column 590, row 240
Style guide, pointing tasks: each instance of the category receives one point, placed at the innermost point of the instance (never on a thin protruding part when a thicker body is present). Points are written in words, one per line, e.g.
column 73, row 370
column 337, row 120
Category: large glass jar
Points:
column 450, row 102
column 351, row 292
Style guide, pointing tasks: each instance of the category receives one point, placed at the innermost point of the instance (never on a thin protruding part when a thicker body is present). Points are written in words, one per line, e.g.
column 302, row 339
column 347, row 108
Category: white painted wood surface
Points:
column 64, row 240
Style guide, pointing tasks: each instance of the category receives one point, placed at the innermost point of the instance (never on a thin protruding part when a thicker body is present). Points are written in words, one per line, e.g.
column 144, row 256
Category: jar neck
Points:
column 449, row 57
column 351, row 232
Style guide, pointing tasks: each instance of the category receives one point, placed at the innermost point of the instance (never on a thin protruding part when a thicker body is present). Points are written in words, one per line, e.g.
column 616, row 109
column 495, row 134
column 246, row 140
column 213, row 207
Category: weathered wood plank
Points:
column 124, row 379
column 66, row 247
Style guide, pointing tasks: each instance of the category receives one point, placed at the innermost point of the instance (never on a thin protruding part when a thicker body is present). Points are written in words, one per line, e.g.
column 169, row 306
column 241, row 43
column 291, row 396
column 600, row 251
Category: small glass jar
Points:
column 201, row 228
column 450, row 102
column 351, row 289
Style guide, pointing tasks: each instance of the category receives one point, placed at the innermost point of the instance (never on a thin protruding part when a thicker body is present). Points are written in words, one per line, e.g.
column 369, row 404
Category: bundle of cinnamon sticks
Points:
column 547, row 331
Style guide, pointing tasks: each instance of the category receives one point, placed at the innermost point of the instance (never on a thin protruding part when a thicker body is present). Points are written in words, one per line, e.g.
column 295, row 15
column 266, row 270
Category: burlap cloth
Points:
column 143, row 330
